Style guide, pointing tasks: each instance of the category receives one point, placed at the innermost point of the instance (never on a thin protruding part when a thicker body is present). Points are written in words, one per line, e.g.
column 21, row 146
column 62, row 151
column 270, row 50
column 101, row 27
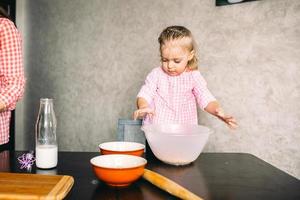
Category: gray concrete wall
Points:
column 92, row 57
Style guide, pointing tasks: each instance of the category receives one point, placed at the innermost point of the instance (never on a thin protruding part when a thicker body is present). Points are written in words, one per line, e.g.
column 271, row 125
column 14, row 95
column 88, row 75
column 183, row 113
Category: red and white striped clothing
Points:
column 12, row 80
column 175, row 98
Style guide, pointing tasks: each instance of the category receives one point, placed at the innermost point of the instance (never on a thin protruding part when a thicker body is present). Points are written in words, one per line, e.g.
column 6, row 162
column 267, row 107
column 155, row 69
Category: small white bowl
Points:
column 122, row 147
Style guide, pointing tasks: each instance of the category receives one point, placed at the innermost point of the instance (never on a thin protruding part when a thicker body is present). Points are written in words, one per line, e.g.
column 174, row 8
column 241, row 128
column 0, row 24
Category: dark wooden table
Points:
column 212, row 176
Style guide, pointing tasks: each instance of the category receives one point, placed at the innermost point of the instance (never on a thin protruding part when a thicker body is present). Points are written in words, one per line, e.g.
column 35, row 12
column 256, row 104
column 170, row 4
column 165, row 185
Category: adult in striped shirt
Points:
column 12, row 80
column 172, row 92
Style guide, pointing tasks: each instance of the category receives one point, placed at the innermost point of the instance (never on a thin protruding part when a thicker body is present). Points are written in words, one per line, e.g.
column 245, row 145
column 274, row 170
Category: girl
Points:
column 171, row 92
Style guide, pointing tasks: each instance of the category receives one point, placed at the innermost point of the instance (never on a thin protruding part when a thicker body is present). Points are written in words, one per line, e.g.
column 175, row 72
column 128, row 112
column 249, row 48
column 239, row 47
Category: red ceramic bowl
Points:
column 117, row 169
column 122, row 147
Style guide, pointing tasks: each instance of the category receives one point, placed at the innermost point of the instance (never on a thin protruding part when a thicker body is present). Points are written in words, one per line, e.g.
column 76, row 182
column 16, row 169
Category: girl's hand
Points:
column 229, row 120
column 141, row 113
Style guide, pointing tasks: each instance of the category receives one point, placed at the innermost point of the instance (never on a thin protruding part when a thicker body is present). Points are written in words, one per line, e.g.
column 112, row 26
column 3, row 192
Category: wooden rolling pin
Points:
column 169, row 185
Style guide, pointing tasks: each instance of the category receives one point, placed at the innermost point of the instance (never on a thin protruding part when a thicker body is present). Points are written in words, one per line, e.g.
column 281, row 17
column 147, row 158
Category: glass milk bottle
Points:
column 45, row 136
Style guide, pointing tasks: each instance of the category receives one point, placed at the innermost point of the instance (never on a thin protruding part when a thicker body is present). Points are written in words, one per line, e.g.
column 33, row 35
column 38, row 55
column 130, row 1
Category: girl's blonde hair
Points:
column 179, row 32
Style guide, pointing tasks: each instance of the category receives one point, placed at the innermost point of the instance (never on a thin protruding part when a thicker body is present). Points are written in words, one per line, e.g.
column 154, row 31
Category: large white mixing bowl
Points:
column 176, row 144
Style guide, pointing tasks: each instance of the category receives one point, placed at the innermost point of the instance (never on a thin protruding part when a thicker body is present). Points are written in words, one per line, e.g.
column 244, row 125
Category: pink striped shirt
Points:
column 12, row 80
column 175, row 98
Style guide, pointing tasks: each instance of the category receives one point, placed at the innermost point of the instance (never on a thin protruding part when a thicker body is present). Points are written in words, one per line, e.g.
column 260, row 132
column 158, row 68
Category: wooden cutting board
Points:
column 34, row 186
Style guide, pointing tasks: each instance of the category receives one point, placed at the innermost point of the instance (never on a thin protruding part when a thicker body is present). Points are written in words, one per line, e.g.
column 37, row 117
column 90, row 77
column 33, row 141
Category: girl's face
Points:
column 175, row 57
